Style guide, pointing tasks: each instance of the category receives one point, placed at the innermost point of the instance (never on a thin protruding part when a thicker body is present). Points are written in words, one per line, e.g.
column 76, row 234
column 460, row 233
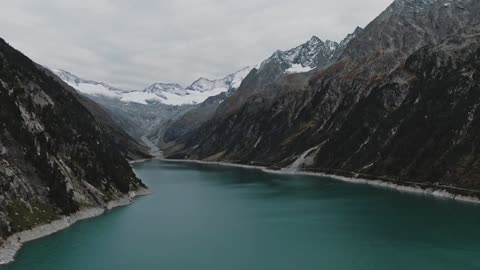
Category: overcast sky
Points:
column 132, row 44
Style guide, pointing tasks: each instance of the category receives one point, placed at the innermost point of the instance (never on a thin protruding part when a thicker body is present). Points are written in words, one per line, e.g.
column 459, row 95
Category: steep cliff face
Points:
column 419, row 123
column 311, row 55
column 55, row 157
column 193, row 119
column 400, row 103
column 145, row 114
column 115, row 124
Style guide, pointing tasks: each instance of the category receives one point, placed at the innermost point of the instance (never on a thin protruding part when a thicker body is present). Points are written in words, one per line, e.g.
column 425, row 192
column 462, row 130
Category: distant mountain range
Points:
column 144, row 114
column 164, row 93
column 311, row 55
column 349, row 108
column 396, row 101
column 308, row 56
column 164, row 111
column 315, row 53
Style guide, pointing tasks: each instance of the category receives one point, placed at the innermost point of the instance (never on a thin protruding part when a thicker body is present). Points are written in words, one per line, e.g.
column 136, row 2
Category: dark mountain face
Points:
column 114, row 124
column 55, row 157
column 405, row 26
column 144, row 115
column 194, row 118
column 313, row 54
column 399, row 103
column 420, row 123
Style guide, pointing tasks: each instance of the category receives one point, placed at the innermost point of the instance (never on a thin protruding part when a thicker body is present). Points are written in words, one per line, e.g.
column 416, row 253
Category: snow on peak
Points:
column 312, row 54
column 231, row 81
column 202, row 85
column 165, row 87
column 234, row 80
column 297, row 68
column 88, row 87
column 65, row 75
column 305, row 55
column 165, row 93
column 314, row 40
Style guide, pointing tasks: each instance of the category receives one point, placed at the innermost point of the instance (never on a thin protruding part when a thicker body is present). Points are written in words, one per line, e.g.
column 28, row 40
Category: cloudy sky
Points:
column 132, row 44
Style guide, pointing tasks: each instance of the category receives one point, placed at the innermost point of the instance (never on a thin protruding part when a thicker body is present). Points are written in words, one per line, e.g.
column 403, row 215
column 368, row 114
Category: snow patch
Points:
column 3, row 150
column 258, row 141
column 301, row 160
column 94, row 90
column 169, row 94
column 297, row 68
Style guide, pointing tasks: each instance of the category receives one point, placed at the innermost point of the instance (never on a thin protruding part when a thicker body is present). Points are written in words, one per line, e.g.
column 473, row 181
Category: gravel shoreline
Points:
column 441, row 193
column 13, row 243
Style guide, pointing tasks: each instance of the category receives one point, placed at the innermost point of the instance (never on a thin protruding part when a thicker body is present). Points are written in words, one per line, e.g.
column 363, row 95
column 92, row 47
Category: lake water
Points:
column 222, row 218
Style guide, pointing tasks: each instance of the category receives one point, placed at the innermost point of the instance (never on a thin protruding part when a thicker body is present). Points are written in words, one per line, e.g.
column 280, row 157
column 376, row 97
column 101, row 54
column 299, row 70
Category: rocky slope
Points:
column 399, row 104
column 55, row 157
column 315, row 53
column 157, row 93
column 131, row 148
column 311, row 55
column 146, row 114
column 193, row 119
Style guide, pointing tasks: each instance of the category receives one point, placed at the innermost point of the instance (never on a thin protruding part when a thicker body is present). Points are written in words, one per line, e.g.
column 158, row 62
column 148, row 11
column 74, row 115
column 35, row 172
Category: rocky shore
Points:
column 402, row 187
column 13, row 243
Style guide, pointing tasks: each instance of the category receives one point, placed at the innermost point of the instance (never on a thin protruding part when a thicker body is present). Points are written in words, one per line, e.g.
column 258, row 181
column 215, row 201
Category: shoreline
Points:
column 438, row 193
column 10, row 247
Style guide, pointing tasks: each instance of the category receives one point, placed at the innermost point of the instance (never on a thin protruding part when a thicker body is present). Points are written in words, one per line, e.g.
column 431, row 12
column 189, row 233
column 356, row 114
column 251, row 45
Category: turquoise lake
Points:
column 224, row 218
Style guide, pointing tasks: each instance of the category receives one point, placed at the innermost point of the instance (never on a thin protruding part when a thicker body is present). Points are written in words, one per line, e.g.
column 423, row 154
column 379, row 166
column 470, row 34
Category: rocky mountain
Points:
column 163, row 93
column 193, row 119
column 231, row 81
column 130, row 147
column 56, row 157
column 313, row 54
column 145, row 114
column 399, row 104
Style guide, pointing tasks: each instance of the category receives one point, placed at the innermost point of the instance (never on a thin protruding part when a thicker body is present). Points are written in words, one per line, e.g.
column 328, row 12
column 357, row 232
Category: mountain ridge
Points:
column 360, row 114
column 301, row 59
column 56, row 157
column 165, row 93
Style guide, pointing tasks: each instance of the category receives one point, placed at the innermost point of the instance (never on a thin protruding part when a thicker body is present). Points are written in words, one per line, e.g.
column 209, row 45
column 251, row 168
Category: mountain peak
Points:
column 312, row 54
column 230, row 81
column 358, row 30
column 165, row 87
column 407, row 25
column 164, row 93
column 65, row 75
column 314, row 40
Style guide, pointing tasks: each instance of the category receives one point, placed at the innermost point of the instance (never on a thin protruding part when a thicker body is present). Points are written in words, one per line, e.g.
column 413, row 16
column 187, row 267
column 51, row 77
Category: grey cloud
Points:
column 132, row 44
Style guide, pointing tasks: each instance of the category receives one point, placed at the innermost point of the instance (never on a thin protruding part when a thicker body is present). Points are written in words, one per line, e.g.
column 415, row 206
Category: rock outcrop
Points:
column 56, row 156
column 399, row 103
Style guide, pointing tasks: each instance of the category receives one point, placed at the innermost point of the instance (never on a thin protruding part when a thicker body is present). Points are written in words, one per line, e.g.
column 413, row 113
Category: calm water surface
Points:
column 221, row 218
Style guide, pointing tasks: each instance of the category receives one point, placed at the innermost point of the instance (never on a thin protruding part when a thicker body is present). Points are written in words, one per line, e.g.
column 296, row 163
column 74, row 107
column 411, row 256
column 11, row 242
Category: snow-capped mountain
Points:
column 402, row 105
column 310, row 55
column 197, row 92
column 314, row 53
column 165, row 87
column 88, row 87
column 231, row 81
column 168, row 94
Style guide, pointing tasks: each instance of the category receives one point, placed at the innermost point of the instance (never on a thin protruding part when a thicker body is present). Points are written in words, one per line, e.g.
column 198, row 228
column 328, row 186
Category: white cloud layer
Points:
column 132, row 44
